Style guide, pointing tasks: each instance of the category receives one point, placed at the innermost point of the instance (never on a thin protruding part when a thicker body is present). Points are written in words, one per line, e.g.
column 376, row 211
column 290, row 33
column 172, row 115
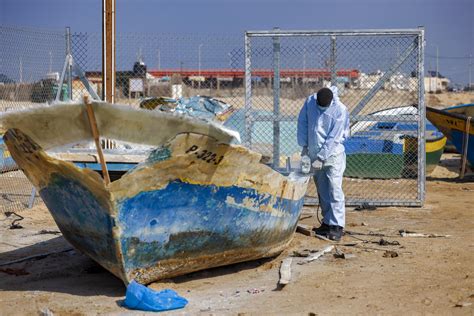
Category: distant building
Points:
column 435, row 82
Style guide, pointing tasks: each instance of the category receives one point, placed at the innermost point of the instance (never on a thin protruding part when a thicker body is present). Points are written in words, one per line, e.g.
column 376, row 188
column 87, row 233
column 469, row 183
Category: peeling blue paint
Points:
column 159, row 154
column 205, row 224
column 84, row 222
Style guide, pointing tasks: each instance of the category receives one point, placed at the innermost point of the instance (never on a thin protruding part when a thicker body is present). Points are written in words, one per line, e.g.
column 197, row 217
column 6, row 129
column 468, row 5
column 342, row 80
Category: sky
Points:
column 449, row 24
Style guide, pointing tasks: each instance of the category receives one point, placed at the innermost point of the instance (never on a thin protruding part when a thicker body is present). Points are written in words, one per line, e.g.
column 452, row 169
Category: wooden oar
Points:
column 95, row 134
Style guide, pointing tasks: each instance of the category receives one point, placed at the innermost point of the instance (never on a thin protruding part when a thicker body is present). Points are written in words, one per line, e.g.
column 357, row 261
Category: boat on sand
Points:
column 199, row 199
column 389, row 149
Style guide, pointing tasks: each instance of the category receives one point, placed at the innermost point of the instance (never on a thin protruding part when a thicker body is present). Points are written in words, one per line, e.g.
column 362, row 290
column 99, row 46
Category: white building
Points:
column 435, row 82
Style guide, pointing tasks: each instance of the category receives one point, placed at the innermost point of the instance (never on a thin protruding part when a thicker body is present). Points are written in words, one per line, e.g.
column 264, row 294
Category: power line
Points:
column 447, row 57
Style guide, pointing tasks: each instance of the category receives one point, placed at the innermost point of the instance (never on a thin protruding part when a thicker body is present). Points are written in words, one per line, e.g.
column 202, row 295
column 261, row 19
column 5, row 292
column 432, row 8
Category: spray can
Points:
column 305, row 164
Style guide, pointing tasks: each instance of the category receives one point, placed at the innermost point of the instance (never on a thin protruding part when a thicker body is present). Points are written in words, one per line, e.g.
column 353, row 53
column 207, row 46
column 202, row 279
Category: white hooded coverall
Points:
column 323, row 131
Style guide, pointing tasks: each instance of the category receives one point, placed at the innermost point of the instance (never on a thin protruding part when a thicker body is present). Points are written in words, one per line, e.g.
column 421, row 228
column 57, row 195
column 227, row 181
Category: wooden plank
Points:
column 285, row 271
column 94, row 158
column 306, row 230
column 95, row 134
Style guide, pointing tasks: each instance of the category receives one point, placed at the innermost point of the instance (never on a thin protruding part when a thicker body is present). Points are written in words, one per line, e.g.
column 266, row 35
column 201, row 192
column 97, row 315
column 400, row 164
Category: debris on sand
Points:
column 318, row 254
column 303, row 253
column 285, row 271
column 407, row 233
column 384, row 242
column 342, row 255
column 46, row 312
column 306, row 230
column 255, row 291
column 14, row 224
column 390, row 254
column 463, row 304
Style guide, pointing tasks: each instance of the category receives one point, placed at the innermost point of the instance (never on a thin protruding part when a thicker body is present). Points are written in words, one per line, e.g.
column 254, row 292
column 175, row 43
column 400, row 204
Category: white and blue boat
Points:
column 199, row 199
column 388, row 149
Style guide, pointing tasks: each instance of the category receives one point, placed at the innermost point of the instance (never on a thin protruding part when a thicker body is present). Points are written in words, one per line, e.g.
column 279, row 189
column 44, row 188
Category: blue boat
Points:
column 199, row 200
column 389, row 149
column 6, row 161
column 457, row 125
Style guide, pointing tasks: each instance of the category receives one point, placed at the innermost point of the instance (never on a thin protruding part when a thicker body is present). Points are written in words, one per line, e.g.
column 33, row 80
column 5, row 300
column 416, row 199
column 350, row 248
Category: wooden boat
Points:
column 199, row 200
column 456, row 124
column 202, row 107
column 460, row 109
column 384, row 150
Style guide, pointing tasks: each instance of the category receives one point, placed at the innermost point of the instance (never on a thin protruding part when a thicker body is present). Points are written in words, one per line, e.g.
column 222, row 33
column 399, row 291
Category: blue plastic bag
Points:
column 142, row 298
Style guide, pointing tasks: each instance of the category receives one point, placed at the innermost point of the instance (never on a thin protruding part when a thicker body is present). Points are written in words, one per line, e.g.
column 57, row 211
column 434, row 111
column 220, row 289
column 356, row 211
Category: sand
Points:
column 429, row 275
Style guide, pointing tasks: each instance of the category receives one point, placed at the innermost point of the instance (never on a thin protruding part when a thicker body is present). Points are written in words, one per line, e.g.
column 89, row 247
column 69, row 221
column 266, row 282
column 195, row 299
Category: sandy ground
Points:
column 429, row 275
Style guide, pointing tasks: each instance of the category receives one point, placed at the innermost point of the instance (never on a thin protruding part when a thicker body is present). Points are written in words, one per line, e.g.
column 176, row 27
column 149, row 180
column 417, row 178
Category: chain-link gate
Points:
column 379, row 76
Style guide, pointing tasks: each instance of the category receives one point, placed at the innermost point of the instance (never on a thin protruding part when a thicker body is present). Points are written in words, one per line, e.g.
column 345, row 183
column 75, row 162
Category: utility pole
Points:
column 304, row 61
column 470, row 70
column 159, row 59
column 50, row 61
column 21, row 70
column 108, row 50
column 199, row 65
column 437, row 67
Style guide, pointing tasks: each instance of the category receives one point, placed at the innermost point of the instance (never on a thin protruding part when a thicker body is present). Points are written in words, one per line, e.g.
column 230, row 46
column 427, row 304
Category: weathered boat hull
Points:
column 464, row 109
column 453, row 125
column 213, row 227
column 195, row 203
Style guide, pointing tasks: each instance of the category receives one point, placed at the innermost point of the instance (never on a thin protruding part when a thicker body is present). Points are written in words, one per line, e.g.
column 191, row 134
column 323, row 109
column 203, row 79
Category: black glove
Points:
column 304, row 152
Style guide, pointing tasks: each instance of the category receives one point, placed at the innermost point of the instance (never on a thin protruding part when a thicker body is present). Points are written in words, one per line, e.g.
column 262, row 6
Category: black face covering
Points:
column 324, row 97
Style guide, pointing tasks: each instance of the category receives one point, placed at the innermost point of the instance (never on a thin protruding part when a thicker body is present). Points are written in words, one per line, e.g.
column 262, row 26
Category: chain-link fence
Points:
column 30, row 64
column 265, row 79
column 378, row 78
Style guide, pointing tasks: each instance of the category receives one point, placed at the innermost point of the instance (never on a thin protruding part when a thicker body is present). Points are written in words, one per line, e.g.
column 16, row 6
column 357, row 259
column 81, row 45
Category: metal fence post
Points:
column 248, row 93
column 333, row 61
column 69, row 67
column 422, row 115
column 276, row 100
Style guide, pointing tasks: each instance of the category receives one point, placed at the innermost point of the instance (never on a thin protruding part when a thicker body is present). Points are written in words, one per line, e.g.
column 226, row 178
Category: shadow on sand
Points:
column 66, row 270
column 63, row 270
column 453, row 163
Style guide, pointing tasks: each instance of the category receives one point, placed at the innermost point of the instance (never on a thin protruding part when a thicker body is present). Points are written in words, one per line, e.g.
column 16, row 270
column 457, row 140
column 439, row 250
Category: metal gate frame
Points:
column 418, row 44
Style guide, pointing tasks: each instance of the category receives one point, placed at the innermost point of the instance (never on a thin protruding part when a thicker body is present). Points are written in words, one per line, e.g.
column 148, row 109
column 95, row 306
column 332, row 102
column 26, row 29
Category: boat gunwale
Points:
column 449, row 114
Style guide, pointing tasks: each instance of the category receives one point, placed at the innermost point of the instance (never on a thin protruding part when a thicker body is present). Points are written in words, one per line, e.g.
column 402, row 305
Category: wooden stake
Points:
column 95, row 134
column 465, row 145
